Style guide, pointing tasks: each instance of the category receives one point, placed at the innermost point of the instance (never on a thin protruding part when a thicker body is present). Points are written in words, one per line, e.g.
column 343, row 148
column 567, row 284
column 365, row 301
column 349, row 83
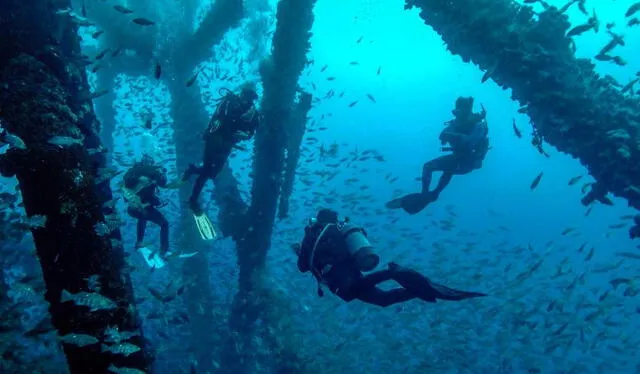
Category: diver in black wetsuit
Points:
column 140, row 184
column 467, row 135
column 337, row 252
column 235, row 119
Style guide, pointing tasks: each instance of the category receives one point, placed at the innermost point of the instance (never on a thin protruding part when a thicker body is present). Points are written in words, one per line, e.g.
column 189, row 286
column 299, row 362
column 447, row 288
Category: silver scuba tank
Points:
column 359, row 247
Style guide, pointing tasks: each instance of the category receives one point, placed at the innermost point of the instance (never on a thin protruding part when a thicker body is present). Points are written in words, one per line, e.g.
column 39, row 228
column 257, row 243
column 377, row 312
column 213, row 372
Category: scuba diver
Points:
column 338, row 252
column 235, row 119
column 140, row 185
column 467, row 137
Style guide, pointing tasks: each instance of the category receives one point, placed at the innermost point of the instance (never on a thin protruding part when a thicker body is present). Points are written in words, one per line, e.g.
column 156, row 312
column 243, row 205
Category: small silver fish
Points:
column 32, row 223
column 124, row 370
column 93, row 301
column 79, row 340
column 13, row 141
column 64, row 141
column 125, row 349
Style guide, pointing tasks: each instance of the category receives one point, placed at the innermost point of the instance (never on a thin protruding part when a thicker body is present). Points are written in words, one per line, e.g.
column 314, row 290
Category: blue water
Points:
column 486, row 229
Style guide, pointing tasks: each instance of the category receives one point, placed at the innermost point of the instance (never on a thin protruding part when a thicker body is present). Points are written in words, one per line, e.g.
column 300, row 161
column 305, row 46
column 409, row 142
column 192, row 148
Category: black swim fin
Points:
column 426, row 290
column 412, row 203
column 445, row 293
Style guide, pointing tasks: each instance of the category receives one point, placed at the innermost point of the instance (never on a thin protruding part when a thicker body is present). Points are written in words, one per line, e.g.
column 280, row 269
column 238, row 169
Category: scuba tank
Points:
column 358, row 246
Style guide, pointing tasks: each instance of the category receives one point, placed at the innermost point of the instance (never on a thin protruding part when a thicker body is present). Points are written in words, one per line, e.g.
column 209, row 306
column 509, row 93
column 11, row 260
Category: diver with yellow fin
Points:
column 235, row 119
column 140, row 184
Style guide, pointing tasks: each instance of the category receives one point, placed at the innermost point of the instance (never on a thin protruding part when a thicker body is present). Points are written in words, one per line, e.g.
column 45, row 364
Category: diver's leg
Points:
column 198, row 186
column 427, row 173
column 443, row 182
column 416, row 202
column 384, row 298
column 423, row 288
column 141, row 224
column 140, row 229
column 155, row 216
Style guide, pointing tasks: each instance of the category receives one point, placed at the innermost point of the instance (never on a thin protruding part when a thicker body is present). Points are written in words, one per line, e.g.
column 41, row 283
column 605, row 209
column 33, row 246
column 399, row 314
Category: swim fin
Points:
column 412, row 203
column 445, row 293
column 205, row 227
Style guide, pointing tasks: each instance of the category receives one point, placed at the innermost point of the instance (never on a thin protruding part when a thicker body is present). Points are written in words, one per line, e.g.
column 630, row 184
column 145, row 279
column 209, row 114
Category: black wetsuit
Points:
column 230, row 118
column 143, row 178
column 468, row 141
column 333, row 267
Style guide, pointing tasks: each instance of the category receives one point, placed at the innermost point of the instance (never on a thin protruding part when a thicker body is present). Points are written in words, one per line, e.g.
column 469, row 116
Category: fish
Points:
column 192, row 80
column 486, row 75
column 143, row 22
column 635, row 256
column 354, row 63
column 79, row 340
column 100, row 55
column 618, row 281
column 13, row 141
column 633, row 21
column 370, row 96
column 566, row 6
column 123, row 10
column 583, row 6
column 93, row 301
column 601, row 57
column 536, row 181
column 160, row 297
column 516, row 130
column 124, row 370
column 629, row 85
column 568, row 230
column 353, row 103
column 618, row 61
column 97, row 34
column 590, row 254
column 84, row 10
column 125, row 349
column 64, row 141
column 574, row 180
column 157, row 72
column 379, row 70
column 359, row 39
column 97, row 94
column 323, row 68
column 632, row 9
column 580, row 29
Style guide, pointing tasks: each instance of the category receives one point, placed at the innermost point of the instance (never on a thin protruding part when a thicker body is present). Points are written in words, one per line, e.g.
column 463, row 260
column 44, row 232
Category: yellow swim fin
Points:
column 205, row 227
